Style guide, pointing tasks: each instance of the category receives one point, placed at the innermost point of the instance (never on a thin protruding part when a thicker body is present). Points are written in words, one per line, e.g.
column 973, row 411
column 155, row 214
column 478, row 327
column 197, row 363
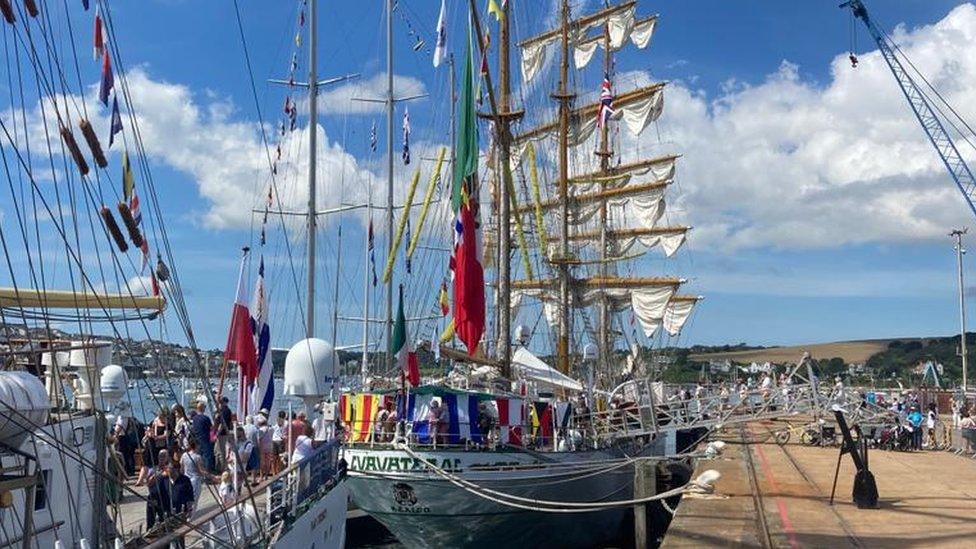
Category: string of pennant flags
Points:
column 129, row 208
column 289, row 119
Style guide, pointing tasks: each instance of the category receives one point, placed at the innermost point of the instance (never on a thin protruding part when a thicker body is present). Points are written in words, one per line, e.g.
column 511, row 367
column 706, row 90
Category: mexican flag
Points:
column 469, row 276
column 400, row 347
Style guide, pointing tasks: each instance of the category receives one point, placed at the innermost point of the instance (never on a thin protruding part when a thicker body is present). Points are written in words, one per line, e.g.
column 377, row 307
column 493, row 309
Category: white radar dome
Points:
column 114, row 382
column 309, row 368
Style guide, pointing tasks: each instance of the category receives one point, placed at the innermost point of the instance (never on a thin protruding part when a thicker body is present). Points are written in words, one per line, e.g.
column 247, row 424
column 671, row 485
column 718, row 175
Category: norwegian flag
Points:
column 606, row 103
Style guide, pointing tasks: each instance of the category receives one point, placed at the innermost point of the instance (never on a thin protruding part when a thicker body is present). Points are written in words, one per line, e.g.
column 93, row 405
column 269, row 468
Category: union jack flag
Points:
column 606, row 103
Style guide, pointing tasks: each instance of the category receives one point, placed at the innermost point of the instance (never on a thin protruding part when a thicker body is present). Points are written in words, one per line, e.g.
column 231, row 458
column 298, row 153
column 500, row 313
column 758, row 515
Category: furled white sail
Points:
column 649, row 304
column 661, row 172
column 649, row 307
column 583, row 52
column 647, row 207
column 669, row 242
column 534, row 58
column 676, row 314
column 550, row 302
column 636, row 115
column 643, row 30
column 623, row 26
column 639, row 114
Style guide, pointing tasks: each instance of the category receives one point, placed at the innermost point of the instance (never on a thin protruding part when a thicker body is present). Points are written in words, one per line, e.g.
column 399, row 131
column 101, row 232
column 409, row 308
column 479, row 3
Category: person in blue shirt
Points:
column 200, row 427
column 915, row 420
column 181, row 491
column 158, row 499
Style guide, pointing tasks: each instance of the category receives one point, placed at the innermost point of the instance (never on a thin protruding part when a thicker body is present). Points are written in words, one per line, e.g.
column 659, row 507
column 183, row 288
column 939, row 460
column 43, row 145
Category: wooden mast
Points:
column 502, row 115
column 504, row 199
column 564, row 97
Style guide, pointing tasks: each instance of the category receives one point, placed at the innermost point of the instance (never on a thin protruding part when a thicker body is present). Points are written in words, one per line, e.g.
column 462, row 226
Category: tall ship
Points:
column 540, row 405
column 90, row 279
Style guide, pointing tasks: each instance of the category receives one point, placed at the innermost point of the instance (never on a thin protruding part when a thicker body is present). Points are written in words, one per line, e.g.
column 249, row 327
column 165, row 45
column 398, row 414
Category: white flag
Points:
column 435, row 343
column 440, row 51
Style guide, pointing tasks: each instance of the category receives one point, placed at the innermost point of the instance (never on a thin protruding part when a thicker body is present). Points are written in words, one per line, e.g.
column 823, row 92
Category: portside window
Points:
column 41, row 492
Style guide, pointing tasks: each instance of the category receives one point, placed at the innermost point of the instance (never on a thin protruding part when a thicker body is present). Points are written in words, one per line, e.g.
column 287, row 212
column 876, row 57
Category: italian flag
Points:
column 400, row 347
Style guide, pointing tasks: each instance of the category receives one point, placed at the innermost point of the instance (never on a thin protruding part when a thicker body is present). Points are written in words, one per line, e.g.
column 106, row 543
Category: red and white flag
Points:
column 240, row 344
column 99, row 35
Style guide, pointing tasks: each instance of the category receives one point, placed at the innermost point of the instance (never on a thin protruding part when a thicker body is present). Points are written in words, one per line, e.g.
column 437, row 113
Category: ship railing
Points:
column 287, row 496
column 304, row 483
column 638, row 411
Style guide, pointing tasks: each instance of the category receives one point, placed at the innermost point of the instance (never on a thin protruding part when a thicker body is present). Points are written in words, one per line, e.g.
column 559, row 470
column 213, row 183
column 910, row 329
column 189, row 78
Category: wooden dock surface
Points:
column 777, row 496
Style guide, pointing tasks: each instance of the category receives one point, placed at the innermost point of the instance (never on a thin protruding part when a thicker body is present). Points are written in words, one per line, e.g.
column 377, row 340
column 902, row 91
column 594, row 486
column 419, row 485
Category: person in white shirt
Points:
column 278, row 441
column 303, row 449
column 320, row 427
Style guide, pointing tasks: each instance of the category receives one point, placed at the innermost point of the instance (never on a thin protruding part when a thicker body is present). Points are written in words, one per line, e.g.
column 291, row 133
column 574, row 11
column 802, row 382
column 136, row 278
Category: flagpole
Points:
column 605, row 342
column 335, row 306
column 390, row 104
column 364, row 367
column 312, row 138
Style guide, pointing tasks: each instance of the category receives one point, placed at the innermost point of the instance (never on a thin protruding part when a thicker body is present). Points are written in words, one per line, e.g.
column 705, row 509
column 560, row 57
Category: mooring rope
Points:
column 545, row 506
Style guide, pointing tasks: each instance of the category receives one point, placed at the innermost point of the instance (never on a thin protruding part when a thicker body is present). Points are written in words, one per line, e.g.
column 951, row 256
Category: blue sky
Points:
column 796, row 243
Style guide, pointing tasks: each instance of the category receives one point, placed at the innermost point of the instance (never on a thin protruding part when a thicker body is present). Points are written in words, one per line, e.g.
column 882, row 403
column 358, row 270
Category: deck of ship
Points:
column 778, row 496
column 131, row 519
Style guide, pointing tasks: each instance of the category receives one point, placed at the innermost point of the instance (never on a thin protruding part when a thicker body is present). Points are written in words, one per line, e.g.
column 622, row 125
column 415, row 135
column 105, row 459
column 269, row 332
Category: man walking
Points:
column 201, row 426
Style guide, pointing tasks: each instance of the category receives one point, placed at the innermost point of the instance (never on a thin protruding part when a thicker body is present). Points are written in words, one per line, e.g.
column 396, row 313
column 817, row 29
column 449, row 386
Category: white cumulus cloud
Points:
column 791, row 163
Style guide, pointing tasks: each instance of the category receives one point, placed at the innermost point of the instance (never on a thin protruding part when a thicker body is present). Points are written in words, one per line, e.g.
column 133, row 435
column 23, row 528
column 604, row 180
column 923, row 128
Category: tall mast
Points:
column 335, row 304
column 390, row 105
column 312, row 135
column 504, row 288
column 564, row 97
column 603, row 335
column 364, row 367
column 453, row 85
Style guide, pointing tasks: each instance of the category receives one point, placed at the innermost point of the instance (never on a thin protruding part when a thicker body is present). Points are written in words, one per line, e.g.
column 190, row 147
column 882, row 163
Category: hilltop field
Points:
column 852, row 352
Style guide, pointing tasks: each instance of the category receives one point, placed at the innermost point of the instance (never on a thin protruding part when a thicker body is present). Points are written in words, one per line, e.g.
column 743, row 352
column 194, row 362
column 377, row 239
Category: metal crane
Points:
column 922, row 106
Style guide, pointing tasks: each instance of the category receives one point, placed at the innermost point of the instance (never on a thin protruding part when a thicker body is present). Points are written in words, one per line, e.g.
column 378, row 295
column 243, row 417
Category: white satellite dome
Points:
column 24, row 393
column 114, row 383
column 309, row 367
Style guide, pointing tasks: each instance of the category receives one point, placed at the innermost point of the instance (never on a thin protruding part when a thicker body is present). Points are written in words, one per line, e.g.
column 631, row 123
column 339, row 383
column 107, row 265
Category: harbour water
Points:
column 146, row 396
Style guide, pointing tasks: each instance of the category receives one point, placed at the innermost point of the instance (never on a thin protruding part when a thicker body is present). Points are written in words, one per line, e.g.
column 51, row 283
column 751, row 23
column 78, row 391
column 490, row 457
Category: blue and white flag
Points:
column 440, row 50
column 262, row 395
column 372, row 137
column 115, row 126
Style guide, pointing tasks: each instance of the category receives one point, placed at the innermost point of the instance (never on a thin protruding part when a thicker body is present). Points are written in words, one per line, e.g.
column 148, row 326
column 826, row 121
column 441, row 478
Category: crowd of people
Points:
column 179, row 453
